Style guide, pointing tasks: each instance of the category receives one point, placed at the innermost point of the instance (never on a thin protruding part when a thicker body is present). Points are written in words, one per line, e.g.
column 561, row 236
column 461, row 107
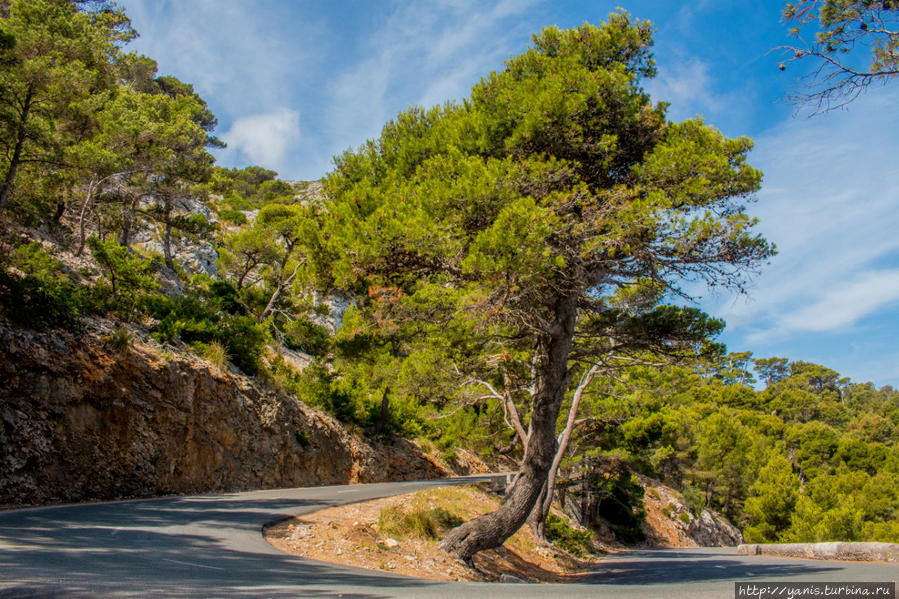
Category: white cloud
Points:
column 265, row 139
column 829, row 201
column 429, row 52
column 234, row 52
column 846, row 303
column 687, row 85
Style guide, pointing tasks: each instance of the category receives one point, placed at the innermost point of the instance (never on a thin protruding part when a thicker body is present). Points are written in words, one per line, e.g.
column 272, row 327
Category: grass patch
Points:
column 418, row 521
column 216, row 354
column 120, row 340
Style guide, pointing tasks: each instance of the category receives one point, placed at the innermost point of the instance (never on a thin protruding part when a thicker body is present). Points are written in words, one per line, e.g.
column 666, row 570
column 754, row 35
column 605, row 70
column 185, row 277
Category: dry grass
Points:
column 216, row 354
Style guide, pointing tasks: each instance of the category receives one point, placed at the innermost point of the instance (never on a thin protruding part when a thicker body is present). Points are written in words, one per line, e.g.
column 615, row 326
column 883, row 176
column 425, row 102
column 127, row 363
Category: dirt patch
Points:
column 351, row 535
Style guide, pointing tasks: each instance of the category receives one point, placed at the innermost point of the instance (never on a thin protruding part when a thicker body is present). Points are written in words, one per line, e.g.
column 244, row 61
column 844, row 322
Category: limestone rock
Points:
column 81, row 421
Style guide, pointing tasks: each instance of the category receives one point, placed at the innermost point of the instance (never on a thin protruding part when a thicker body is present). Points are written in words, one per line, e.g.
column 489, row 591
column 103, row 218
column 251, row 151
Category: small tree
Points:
column 522, row 213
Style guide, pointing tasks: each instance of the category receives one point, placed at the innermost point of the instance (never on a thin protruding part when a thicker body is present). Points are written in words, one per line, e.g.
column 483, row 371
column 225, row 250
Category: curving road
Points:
column 212, row 546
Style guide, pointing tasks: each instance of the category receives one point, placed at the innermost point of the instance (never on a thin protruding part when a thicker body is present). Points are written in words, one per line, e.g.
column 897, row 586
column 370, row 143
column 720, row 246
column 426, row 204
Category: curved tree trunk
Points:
column 491, row 530
column 541, row 510
column 21, row 133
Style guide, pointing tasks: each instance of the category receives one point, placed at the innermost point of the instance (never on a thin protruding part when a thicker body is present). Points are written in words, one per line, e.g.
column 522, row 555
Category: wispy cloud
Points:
column 829, row 203
column 431, row 52
column 265, row 139
column 846, row 303
column 689, row 87
column 237, row 54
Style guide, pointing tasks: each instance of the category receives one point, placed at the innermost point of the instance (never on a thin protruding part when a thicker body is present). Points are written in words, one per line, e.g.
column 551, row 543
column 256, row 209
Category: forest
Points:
column 509, row 274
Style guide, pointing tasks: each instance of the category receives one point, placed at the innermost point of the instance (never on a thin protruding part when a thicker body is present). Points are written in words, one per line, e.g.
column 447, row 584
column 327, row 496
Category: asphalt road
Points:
column 212, row 546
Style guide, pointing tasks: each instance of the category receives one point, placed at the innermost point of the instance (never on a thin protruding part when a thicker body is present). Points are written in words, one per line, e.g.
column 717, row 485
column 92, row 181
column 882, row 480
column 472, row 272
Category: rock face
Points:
column 81, row 421
column 669, row 522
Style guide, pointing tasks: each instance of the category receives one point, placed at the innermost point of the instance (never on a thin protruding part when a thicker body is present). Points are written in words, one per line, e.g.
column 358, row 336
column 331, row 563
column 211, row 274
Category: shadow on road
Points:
column 142, row 548
column 670, row 566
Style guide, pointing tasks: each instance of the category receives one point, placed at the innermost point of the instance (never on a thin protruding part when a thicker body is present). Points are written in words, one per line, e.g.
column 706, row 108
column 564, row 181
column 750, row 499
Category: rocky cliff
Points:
column 82, row 420
column 670, row 523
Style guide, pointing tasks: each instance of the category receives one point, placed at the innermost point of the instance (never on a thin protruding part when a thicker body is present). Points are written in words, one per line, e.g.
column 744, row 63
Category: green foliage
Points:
column 308, row 337
column 127, row 274
column 35, row 292
column 250, row 187
column 694, row 500
column 809, row 457
column 55, row 72
column 233, row 216
column 563, row 535
column 620, row 503
column 771, row 501
column 207, row 314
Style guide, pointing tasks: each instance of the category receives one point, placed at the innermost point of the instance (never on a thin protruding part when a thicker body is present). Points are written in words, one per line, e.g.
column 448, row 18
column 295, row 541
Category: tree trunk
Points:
column 128, row 213
column 491, row 530
column 17, row 152
column 381, row 426
column 84, row 206
column 60, row 210
column 167, row 235
column 541, row 510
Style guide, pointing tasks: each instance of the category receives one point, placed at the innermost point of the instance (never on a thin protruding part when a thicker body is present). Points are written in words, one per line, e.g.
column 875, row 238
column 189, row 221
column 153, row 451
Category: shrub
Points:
column 694, row 499
column 127, row 274
column 684, row 517
column 42, row 296
column 307, row 337
column 233, row 216
column 621, row 505
column 244, row 339
column 565, row 536
column 203, row 316
column 35, row 304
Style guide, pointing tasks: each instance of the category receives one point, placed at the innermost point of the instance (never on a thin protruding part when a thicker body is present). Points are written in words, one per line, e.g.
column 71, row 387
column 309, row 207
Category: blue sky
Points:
column 296, row 82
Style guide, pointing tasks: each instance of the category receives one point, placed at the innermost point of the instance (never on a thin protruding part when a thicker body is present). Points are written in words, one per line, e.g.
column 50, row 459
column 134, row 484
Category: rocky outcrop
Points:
column 670, row 523
column 80, row 420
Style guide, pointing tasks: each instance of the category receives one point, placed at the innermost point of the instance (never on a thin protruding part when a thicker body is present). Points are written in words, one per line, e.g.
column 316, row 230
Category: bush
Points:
column 202, row 316
column 37, row 304
column 42, row 296
column 233, row 216
column 620, row 503
column 307, row 337
column 128, row 276
column 564, row 536
column 694, row 499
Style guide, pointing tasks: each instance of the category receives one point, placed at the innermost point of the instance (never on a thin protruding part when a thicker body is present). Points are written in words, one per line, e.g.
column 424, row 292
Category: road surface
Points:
column 212, row 546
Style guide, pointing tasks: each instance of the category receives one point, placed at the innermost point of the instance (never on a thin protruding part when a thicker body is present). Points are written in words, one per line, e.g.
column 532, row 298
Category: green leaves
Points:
column 56, row 72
